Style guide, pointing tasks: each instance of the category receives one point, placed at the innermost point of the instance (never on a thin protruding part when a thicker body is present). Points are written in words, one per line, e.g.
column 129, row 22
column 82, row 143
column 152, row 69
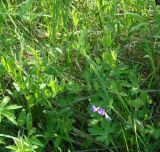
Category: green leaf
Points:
column 137, row 103
column 57, row 142
column 22, row 117
column 42, row 85
column 24, row 10
column 53, row 84
column 12, row 107
column 34, row 141
column 4, row 102
column 73, row 87
column 29, row 121
column 17, row 87
column 95, row 130
column 14, row 148
column 10, row 116
column 103, row 133
column 2, row 142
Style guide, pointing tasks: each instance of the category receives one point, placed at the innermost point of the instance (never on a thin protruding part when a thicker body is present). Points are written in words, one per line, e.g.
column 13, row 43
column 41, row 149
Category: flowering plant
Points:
column 101, row 111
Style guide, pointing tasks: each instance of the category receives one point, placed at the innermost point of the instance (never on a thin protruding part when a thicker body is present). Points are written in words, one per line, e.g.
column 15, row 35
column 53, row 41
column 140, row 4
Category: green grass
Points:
column 58, row 57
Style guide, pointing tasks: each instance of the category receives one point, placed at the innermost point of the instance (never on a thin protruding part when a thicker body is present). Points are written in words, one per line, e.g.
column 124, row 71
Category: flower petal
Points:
column 101, row 111
column 108, row 118
column 93, row 108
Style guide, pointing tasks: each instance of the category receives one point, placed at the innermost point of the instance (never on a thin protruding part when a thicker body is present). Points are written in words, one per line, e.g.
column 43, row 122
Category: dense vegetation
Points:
column 60, row 58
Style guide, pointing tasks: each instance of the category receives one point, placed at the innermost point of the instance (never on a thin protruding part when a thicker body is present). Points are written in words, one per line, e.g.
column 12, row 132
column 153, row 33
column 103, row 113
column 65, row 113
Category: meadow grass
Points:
column 60, row 57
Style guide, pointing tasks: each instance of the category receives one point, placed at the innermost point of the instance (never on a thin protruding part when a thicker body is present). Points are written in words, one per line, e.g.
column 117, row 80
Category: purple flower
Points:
column 93, row 108
column 101, row 111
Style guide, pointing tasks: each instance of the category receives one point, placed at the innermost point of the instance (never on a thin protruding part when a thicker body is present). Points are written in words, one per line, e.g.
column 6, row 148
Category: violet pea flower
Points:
column 94, row 108
column 101, row 111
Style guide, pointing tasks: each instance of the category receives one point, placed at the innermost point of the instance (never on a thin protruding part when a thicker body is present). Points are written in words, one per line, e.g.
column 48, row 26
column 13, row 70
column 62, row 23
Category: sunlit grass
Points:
column 58, row 57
